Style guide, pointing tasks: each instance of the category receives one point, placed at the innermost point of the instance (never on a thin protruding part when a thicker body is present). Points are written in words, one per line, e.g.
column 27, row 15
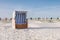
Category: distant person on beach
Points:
column 10, row 18
column 31, row 18
column 0, row 18
column 5, row 19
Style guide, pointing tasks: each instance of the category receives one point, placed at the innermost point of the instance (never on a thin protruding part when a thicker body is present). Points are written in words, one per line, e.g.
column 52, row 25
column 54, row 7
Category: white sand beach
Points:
column 37, row 24
column 36, row 31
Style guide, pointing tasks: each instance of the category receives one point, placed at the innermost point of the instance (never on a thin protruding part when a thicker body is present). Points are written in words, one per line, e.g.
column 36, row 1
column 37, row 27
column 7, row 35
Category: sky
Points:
column 34, row 8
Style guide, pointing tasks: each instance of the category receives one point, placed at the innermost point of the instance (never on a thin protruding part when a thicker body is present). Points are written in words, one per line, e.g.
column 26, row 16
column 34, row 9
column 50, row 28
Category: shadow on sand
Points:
column 43, row 28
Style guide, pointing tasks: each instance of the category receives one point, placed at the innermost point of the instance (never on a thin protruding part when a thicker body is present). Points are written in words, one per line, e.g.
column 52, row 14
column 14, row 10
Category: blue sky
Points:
column 35, row 8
